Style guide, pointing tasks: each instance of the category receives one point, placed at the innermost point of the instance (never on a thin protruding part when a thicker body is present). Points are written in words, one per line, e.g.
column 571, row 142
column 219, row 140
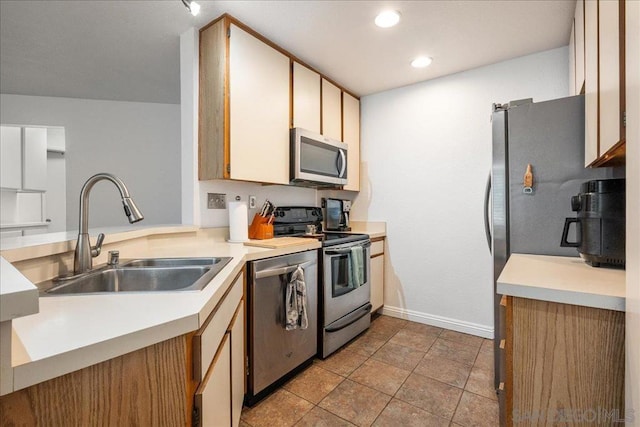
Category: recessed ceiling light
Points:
column 388, row 18
column 421, row 62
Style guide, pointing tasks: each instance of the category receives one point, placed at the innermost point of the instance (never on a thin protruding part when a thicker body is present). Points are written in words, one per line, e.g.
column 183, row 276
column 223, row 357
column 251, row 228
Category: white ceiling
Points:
column 129, row 50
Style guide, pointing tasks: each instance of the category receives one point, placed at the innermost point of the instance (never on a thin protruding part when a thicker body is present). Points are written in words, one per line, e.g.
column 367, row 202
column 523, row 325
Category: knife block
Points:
column 260, row 228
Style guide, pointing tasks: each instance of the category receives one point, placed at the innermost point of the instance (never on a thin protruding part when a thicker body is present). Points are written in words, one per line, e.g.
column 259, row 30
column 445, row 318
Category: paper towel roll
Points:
column 238, row 222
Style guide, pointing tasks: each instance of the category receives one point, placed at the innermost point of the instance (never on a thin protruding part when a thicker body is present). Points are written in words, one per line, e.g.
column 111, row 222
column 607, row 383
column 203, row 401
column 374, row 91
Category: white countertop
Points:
column 563, row 279
column 73, row 332
column 18, row 296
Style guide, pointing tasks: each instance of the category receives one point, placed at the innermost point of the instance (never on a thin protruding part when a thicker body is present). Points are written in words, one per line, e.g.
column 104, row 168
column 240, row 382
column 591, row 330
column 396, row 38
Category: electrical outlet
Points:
column 252, row 202
column 216, row 201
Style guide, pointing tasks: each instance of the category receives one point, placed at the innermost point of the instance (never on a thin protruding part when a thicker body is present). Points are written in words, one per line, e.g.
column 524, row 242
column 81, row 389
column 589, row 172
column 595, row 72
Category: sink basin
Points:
column 144, row 275
column 174, row 262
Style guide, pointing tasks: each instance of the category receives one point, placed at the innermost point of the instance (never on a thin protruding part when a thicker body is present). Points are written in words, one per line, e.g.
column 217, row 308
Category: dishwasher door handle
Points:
column 281, row 270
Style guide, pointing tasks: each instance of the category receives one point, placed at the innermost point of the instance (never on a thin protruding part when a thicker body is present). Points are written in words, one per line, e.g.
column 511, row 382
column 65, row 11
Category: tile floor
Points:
column 397, row 373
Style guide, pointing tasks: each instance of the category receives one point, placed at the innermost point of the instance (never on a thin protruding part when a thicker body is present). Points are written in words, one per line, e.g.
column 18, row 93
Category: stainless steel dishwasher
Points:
column 274, row 353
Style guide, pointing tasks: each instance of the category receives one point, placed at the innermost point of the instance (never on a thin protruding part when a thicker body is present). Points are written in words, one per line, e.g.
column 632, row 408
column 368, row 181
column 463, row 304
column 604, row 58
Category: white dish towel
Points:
column 296, row 302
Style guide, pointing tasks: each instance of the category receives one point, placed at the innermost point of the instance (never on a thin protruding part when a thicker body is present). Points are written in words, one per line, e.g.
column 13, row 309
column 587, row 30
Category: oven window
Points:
column 341, row 275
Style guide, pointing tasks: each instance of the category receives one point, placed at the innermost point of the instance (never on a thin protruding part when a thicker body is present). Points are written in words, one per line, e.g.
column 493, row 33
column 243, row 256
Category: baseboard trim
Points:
column 439, row 321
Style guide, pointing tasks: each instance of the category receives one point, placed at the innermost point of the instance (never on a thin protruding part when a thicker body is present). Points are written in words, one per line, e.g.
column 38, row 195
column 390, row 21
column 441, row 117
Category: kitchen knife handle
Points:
column 565, row 233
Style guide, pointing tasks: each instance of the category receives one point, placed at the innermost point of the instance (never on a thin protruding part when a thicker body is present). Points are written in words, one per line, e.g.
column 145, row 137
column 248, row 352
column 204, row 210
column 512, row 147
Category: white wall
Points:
column 632, row 377
column 138, row 142
column 426, row 154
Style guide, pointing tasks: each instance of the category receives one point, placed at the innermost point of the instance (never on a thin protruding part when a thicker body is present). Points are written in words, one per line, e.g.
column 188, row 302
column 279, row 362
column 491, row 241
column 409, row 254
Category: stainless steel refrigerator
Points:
column 550, row 137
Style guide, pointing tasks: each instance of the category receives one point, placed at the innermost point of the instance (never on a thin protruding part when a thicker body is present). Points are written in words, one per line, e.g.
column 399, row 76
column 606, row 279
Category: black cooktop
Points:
column 293, row 221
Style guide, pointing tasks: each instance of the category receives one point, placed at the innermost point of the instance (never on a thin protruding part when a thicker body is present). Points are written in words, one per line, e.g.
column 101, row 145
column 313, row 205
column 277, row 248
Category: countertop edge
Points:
column 566, row 280
column 18, row 296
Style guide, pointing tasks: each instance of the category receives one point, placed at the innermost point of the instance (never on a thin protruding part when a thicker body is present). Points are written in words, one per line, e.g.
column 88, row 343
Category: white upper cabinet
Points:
column 11, row 157
column 259, row 110
column 34, row 165
column 579, row 46
column 351, row 135
column 609, row 74
column 306, row 98
column 591, row 82
column 331, row 111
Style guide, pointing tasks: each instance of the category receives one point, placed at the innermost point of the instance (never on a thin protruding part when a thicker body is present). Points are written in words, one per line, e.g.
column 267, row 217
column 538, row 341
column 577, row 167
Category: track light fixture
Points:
column 193, row 7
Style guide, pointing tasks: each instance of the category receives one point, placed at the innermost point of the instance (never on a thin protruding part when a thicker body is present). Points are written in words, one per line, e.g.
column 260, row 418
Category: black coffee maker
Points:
column 600, row 222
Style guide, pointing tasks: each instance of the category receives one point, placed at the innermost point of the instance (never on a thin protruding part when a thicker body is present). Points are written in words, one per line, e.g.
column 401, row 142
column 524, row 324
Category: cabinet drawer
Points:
column 377, row 248
column 207, row 340
column 213, row 397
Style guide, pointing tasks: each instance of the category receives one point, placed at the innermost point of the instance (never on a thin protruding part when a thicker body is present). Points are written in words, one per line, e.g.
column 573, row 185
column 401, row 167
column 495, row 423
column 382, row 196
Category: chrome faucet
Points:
column 85, row 253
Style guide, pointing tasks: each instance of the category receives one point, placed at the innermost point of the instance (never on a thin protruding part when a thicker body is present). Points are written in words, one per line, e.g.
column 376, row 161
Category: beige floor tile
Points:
column 280, row 409
column 390, row 321
column 444, row 370
column 487, row 345
column 314, row 383
column 380, row 376
column 459, row 337
column 475, row 410
column 367, row 343
column 484, row 360
column 356, row 403
column 342, row 362
column 386, row 328
column 399, row 356
column 481, row 382
column 401, row 414
column 454, row 351
column 415, row 340
column 318, row 417
column 422, row 328
column 431, row 395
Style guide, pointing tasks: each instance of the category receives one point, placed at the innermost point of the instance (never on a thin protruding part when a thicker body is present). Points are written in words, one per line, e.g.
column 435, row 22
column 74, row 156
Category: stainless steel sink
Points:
column 174, row 262
column 142, row 275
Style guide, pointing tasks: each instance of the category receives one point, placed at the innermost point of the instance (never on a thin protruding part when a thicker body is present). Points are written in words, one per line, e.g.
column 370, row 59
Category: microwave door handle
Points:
column 342, row 163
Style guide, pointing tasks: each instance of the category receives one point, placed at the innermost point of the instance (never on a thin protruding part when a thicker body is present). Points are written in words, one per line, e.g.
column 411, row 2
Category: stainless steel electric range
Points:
column 344, row 276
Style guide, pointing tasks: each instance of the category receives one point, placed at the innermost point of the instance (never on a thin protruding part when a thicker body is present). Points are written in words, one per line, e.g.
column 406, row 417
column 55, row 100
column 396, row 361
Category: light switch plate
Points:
column 216, row 201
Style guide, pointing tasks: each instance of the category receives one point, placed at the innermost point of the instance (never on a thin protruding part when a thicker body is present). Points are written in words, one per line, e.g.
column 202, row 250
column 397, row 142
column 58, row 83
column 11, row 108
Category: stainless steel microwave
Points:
column 316, row 159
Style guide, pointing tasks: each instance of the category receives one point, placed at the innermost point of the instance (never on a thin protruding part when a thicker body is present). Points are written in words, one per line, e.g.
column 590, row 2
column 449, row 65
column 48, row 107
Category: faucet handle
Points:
column 95, row 250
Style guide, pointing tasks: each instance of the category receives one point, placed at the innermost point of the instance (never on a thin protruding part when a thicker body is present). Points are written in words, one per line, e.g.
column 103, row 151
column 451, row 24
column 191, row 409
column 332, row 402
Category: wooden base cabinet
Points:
column 194, row 379
column 565, row 364
column 377, row 275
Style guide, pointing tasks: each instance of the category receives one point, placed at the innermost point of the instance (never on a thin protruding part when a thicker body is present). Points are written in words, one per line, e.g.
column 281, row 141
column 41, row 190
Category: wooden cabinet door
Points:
column 572, row 61
column 579, row 40
column 351, row 135
column 591, row 151
column 331, row 111
column 306, row 98
column 11, row 157
column 377, row 282
column 609, row 74
column 213, row 396
column 34, row 159
column 237, row 365
column 259, row 110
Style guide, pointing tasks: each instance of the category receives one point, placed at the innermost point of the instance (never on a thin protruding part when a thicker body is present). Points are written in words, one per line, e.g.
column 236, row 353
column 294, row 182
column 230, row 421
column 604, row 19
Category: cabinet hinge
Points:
column 229, row 32
column 246, row 362
column 228, row 168
column 624, row 119
column 195, row 417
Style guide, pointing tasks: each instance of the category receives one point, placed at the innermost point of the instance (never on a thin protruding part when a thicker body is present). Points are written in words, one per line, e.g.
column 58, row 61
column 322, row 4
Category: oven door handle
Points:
column 281, row 270
column 344, row 251
column 349, row 319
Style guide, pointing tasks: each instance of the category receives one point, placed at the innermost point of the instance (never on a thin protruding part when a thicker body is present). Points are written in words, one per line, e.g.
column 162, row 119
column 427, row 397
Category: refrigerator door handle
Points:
column 487, row 225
